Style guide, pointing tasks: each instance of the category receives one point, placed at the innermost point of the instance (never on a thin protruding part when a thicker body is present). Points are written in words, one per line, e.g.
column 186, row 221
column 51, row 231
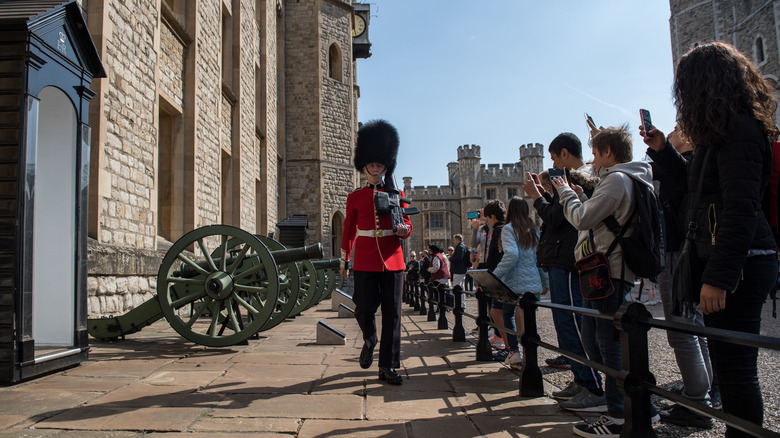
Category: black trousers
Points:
column 373, row 289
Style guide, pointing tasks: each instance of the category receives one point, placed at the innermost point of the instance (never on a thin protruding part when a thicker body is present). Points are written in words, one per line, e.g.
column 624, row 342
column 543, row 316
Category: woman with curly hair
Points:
column 727, row 108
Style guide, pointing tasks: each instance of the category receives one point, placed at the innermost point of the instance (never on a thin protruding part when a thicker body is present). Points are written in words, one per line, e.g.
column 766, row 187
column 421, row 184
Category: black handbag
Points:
column 686, row 280
column 593, row 269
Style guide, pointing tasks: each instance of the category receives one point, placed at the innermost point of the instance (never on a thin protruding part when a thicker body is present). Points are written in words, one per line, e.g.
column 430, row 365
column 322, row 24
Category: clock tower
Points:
column 361, row 47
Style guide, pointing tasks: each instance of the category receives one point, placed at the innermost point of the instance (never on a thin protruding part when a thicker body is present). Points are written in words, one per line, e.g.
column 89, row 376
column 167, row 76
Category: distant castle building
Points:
column 752, row 26
column 444, row 209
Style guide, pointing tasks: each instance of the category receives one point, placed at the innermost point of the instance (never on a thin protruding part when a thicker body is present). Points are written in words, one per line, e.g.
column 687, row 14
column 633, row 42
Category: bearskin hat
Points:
column 377, row 142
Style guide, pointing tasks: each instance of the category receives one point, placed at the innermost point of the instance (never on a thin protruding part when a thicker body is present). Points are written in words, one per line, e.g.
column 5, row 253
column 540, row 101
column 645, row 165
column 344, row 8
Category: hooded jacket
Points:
column 558, row 238
column 614, row 195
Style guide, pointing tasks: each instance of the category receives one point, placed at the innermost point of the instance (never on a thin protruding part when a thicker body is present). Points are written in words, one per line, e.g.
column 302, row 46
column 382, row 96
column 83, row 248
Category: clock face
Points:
column 360, row 26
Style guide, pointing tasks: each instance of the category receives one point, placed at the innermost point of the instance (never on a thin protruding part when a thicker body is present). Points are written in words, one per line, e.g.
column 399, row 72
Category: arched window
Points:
column 759, row 50
column 334, row 62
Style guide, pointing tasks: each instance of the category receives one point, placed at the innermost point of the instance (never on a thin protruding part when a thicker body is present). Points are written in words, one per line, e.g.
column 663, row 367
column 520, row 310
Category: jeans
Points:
column 691, row 351
column 602, row 342
column 509, row 322
column 735, row 365
column 565, row 289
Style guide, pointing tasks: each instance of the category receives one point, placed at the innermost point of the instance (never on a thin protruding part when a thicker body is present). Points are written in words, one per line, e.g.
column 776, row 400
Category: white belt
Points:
column 375, row 233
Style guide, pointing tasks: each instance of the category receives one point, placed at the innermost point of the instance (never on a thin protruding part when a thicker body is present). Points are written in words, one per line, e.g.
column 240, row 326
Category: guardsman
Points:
column 379, row 262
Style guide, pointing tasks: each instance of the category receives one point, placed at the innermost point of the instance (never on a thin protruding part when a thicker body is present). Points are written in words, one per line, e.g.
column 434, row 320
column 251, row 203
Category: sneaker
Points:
column 585, row 401
column 500, row 355
column 681, row 416
column 497, row 342
column 558, row 362
column 567, row 393
column 514, row 359
column 605, row 426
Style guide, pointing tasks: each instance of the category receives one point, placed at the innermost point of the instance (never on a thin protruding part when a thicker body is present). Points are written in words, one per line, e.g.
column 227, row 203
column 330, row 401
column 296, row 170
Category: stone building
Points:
column 444, row 209
column 752, row 26
column 238, row 112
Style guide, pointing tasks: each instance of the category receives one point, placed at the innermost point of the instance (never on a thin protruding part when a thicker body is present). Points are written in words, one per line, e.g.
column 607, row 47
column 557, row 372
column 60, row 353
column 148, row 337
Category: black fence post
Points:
column 531, row 384
column 484, row 350
column 636, row 366
column 443, row 324
column 432, row 297
column 423, row 297
column 416, row 295
column 458, row 332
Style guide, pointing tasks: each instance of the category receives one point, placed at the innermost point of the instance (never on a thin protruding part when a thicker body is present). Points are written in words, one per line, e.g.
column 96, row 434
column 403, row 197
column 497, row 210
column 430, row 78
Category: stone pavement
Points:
column 157, row 384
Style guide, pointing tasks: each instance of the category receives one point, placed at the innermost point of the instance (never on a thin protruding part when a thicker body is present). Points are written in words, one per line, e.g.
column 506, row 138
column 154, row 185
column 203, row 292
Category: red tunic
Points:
column 374, row 254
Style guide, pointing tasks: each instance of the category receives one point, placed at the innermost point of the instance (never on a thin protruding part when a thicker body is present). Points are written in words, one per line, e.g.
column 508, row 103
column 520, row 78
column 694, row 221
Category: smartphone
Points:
column 647, row 123
column 555, row 172
column 589, row 119
column 473, row 214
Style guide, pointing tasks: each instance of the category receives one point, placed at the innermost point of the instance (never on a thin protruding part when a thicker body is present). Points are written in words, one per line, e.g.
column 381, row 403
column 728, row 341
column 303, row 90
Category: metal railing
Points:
column 632, row 320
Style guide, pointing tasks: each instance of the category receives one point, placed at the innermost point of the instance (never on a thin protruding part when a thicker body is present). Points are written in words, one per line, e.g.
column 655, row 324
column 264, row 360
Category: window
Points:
column 511, row 192
column 334, row 62
column 435, row 220
column 759, row 50
column 490, row 194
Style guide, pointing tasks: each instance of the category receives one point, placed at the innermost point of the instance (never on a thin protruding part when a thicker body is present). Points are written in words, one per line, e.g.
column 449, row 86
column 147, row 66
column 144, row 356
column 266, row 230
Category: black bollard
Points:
column 636, row 362
column 443, row 325
column 416, row 295
column 484, row 350
column 458, row 332
column 423, row 297
column 432, row 297
column 531, row 384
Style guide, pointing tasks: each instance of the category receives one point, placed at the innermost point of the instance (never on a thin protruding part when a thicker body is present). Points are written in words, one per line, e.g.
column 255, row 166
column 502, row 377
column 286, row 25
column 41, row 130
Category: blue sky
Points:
column 504, row 73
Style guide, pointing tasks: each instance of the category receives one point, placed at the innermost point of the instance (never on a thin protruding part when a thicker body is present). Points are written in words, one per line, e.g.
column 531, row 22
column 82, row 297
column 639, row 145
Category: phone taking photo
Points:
column 647, row 123
column 555, row 172
column 589, row 119
column 473, row 214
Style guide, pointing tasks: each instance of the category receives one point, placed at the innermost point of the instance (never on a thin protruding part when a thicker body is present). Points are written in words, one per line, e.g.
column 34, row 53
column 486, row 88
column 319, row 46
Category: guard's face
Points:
column 375, row 169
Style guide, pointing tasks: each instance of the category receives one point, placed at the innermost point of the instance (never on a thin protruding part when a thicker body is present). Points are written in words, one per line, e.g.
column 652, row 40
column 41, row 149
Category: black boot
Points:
column 390, row 375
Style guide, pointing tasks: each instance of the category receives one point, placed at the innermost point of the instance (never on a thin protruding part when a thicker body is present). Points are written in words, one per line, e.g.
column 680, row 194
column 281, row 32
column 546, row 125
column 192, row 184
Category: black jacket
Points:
column 672, row 197
column 558, row 237
column 459, row 262
column 494, row 252
column 412, row 270
column 729, row 210
column 424, row 265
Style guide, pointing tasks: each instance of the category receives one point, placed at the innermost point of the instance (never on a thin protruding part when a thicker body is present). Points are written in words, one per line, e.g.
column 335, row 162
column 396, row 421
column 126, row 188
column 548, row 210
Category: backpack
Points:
column 644, row 251
column 772, row 195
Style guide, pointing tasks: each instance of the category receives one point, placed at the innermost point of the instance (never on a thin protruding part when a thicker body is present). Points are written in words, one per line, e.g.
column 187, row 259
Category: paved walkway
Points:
column 157, row 384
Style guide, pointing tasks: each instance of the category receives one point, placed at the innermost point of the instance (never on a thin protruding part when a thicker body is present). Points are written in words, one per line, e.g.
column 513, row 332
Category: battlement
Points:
column 468, row 151
column 501, row 169
column 423, row 192
column 531, row 150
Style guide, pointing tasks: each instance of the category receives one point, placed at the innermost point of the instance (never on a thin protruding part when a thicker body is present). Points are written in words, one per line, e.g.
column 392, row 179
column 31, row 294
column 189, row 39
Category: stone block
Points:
column 329, row 335
column 341, row 297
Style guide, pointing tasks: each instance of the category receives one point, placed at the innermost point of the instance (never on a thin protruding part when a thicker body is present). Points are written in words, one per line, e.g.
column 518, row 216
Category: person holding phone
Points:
column 725, row 105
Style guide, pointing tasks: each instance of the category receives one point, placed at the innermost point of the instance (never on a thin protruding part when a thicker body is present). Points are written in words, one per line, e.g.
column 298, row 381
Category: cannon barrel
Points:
column 326, row 264
column 280, row 257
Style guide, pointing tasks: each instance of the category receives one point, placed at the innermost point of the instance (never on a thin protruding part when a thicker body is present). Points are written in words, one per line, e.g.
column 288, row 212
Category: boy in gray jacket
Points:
column 612, row 152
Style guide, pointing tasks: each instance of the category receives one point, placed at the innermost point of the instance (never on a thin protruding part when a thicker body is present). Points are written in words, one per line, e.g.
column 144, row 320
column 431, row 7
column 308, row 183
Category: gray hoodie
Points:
column 614, row 195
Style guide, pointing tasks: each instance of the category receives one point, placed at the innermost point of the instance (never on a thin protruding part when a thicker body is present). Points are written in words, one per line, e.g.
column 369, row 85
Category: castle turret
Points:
column 470, row 182
column 532, row 156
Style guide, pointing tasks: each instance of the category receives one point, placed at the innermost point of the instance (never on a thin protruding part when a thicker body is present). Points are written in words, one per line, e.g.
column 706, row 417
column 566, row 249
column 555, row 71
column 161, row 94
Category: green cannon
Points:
column 219, row 285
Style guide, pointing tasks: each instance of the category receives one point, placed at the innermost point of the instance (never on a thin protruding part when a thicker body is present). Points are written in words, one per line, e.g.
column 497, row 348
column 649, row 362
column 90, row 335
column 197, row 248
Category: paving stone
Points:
column 143, row 395
column 353, row 429
column 182, row 378
column 524, row 426
column 450, row 427
column 332, row 406
column 119, row 418
column 115, row 368
column 217, row 435
column 274, row 425
column 282, row 357
column 7, row 420
column 392, row 404
column 45, row 402
column 60, row 382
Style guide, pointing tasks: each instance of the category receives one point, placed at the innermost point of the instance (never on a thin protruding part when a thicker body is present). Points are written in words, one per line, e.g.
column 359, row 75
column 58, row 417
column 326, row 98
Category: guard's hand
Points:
column 712, row 299
column 345, row 273
column 402, row 230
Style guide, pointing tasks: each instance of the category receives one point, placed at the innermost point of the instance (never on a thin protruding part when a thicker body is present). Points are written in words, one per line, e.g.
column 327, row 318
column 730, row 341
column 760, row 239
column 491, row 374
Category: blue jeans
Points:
column 602, row 342
column 690, row 351
column 509, row 322
column 565, row 290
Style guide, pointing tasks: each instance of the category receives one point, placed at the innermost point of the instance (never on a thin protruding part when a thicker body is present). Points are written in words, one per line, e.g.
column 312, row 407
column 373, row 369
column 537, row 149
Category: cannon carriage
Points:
column 219, row 285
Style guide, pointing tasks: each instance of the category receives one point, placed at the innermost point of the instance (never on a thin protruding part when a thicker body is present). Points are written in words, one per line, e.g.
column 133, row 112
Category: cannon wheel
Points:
column 308, row 287
column 226, row 300
column 289, row 286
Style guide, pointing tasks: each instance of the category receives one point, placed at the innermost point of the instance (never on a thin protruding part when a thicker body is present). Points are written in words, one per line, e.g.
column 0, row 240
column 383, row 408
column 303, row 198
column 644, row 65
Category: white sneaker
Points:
column 514, row 358
column 585, row 401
